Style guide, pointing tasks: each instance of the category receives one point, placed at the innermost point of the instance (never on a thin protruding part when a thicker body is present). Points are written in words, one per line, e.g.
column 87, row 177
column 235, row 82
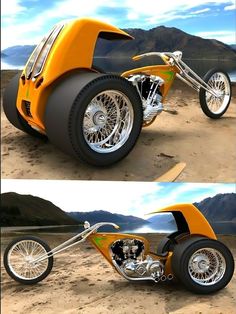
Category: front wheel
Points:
column 203, row 265
column 19, row 259
column 215, row 106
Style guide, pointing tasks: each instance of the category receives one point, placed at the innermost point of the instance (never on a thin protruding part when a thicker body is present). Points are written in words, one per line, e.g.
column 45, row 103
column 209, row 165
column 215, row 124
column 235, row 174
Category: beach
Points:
column 182, row 134
column 82, row 281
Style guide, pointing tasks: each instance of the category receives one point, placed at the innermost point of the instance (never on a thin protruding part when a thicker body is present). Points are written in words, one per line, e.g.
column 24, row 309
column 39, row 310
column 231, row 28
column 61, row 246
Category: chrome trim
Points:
column 71, row 242
column 194, row 81
column 206, row 266
column 35, row 58
column 53, row 35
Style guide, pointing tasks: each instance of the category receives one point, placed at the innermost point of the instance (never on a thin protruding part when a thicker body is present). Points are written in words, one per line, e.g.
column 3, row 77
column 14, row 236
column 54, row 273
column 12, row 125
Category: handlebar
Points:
column 166, row 56
column 99, row 225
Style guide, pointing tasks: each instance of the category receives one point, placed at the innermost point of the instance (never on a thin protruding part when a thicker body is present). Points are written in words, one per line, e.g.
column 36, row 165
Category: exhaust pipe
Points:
column 163, row 278
column 170, row 277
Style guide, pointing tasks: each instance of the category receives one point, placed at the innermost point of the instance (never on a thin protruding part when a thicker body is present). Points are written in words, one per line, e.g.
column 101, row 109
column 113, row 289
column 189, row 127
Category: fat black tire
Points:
column 10, row 109
column 31, row 281
column 202, row 95
column 168, row 243
column 65, row 111
column 183, row 252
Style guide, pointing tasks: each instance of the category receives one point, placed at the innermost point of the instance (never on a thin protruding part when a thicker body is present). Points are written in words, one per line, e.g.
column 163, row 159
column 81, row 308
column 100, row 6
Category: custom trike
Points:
column 191, row 254
column 92, row 115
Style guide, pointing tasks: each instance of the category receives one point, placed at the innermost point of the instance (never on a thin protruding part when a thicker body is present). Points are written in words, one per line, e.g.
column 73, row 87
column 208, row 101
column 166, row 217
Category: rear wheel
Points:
column 215, row 106
column 10, row 109
column 203, row 265
column 19, row 259
column 101, row 124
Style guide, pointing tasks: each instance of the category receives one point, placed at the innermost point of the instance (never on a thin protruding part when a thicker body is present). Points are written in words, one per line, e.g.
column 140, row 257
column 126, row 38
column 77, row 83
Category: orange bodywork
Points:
column 166, row 72
column 197, row 223
column 73, row 49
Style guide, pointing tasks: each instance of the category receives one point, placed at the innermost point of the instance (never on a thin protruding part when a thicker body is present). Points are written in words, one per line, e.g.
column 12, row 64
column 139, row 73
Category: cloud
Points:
column 11, row 8
column 128, row 198
column 230, row 7
column 201, row 11
column 224, row 36
column 28, row 24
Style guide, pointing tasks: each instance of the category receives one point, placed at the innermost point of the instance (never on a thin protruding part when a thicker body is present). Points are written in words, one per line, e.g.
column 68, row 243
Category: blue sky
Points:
column 26, row 21
column 128, row 198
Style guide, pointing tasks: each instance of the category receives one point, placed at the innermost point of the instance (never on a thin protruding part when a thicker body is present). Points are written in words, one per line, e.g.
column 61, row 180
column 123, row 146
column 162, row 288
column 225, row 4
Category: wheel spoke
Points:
column 206, row 266
column 21, row 257
column 219, row 83
column 108, row 121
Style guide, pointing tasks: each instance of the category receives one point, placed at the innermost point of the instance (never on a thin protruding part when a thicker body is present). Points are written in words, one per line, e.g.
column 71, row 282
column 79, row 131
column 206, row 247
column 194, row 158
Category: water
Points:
column 119, row 65
column 7, row 66
column 218, row 227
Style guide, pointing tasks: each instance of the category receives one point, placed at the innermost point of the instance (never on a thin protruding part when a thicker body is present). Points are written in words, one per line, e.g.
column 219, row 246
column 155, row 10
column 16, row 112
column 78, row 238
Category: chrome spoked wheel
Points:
column 108, row 121
column 206, row 266
column 220, row 84
column 21, row 258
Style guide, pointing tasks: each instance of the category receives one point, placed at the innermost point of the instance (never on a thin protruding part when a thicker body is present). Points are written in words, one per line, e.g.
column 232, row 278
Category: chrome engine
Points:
column 128, row 258
column 148, row 88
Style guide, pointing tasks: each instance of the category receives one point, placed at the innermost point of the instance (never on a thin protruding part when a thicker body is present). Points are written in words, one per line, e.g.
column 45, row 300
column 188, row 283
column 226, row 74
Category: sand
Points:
column 83, row 282
column 185, row 135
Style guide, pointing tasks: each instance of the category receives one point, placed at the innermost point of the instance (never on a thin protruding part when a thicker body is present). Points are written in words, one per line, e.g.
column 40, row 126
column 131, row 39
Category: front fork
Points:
column 78, row 238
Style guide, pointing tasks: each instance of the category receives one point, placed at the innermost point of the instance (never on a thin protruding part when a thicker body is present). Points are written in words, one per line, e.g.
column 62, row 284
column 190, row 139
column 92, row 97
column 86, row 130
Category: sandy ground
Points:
column 207, row 146
column 83, row 282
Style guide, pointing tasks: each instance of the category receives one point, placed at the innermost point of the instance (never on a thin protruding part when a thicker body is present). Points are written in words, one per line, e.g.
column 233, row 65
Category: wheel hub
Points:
column 201, row 264
column 100, row 119
column 96, row 118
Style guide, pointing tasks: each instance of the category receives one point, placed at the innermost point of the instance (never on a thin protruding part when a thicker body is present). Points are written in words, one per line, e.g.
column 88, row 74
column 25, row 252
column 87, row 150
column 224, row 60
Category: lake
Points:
column 219, row 228
column 119, row 65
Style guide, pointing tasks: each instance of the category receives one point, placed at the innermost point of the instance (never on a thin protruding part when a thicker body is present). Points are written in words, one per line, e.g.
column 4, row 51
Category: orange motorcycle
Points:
column 97, row 116
column 192, row 254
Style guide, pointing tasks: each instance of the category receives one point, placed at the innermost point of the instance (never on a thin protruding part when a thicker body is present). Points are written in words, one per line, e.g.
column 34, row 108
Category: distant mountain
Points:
column 157, row 39
column 163, row 221
column 221, row 207
column 220, row 211
column 166, row 39
column 233, row 47
column 17, row 55
column 28, row 210
column 105, row 216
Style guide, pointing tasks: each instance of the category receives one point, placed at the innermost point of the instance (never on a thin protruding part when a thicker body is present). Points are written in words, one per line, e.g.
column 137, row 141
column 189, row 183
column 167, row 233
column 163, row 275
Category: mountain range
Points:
column 102, row 215
column 28, row 210
column 157, row 39
column 221, row 207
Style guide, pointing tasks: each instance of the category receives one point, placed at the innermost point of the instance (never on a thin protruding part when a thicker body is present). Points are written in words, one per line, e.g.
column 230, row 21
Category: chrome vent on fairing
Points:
column 38, row 58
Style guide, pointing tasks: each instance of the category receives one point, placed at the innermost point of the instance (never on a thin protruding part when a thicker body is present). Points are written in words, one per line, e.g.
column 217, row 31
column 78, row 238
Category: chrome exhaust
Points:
column 163, row 278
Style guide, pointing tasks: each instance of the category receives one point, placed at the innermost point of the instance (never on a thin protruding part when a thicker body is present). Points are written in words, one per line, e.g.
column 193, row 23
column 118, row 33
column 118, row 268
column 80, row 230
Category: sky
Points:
column 127, row 198
column 26, row 21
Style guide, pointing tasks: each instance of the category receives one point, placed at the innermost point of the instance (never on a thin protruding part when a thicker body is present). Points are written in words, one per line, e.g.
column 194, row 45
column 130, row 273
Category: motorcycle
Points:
column 92, row 115
column 192, row 254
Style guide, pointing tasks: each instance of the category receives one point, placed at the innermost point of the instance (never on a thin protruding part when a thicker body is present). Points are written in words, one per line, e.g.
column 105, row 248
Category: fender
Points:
column 72, row 49
column 188, row 214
